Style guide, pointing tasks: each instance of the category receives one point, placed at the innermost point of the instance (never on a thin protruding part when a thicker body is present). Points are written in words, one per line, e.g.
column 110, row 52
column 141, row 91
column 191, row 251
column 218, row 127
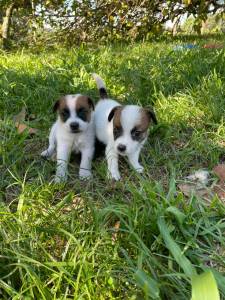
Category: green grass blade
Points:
column 147, row 284
column 175, row 250
column 177, row 213
column 220, row 279
column 204, row 287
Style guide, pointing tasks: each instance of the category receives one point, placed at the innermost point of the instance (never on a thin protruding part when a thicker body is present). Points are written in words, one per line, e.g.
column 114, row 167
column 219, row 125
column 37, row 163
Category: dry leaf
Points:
column 20, row 117
column 189, row 189
column 219, row 189
column 22, row 127
column 198, row 181
column 192, row 189
column 219, row 170
column 197, row 185
column 213, row 46
column 116, row 229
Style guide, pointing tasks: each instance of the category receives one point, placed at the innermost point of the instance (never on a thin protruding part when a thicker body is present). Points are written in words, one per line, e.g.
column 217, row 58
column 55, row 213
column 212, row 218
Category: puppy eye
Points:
column 81, row 113
column 116, row 130
column 65, row 113
column 136, row 133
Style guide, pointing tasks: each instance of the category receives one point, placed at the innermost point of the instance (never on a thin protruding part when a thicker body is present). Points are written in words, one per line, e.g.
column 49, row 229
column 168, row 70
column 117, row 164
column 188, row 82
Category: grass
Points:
column 56, row 240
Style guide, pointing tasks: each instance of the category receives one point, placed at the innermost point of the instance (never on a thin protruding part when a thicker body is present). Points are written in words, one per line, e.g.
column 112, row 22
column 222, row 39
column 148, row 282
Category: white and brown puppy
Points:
column 123, row 129
column 73, row 131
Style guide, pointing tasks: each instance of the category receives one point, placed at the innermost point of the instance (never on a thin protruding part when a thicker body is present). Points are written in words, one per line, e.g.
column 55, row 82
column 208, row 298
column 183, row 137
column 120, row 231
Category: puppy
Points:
column 123, row 129
column 73, row 131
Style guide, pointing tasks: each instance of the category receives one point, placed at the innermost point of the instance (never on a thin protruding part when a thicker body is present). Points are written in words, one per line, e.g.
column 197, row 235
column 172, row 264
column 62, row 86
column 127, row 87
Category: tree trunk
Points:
column 203, row 27
column 6, row 26
column 175, row 24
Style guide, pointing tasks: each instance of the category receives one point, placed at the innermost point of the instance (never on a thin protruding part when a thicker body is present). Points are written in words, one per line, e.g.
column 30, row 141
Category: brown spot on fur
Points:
column 140, row 130
column 117, row 116
column 61, row 107
column 145, row 120
column 85, row 105
column 117, row 127
column 59, row 104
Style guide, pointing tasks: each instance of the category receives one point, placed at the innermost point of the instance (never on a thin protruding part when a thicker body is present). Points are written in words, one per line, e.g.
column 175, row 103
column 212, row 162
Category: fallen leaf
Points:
column 189, row 189
column 22, row 127
column 116, row 229
column 219, row 170
column 219, row 189
column 196, row 184
column 213, row 46
column 20, row 117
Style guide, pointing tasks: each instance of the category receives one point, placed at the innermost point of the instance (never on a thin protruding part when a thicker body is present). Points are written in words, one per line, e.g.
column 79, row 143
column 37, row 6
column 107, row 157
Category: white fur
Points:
column 104, row 131
column 99, row 81
column 65, row 142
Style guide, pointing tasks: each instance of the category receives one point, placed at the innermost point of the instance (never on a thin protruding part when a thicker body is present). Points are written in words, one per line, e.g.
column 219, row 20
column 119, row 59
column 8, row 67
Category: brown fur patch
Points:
column 60, row 104
column 117, row 117
column 84, row 103
column 140, row 130
column 63, row 109
column 145, row 120
column 117, row 127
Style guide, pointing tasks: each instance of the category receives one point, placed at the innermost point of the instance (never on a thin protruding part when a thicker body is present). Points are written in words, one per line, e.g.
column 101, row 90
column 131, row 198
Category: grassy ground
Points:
column 56, row 241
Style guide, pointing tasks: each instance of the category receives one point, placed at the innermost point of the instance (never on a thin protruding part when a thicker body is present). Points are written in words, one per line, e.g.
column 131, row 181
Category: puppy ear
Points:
column 56, row 106
column 151, row 115
column 112, row 113
column 91, row 103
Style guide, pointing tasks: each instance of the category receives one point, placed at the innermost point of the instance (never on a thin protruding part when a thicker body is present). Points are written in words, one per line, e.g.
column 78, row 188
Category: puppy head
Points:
column 130, row 127
column 75, row 112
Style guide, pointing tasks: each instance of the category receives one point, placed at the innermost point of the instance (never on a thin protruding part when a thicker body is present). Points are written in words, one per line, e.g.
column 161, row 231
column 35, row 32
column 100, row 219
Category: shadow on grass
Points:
column 140, row 74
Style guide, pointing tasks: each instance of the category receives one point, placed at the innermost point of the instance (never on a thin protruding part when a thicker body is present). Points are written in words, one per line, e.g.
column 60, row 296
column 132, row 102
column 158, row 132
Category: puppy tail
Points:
column 101, row 86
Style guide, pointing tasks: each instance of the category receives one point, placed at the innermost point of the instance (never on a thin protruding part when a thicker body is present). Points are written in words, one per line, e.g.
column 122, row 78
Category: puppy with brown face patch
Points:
column 73, row 131
column 123, row 129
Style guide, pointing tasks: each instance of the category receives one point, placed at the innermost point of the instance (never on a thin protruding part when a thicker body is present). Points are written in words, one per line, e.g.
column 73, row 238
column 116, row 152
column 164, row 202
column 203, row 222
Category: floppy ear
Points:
column 112, row 113
column 151, row 115
column 91, row 103
column 56, row 106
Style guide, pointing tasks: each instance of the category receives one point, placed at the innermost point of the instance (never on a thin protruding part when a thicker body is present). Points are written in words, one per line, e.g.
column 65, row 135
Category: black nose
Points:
column 74, row 126
column 121, row 147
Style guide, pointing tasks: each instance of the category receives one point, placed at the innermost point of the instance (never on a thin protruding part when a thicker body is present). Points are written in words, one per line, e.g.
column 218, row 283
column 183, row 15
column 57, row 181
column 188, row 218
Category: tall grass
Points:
column 56, row 240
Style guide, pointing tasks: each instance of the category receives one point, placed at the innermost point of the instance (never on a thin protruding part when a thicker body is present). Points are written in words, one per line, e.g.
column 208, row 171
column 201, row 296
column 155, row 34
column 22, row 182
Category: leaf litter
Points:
column 203, row 184
column 19, row 120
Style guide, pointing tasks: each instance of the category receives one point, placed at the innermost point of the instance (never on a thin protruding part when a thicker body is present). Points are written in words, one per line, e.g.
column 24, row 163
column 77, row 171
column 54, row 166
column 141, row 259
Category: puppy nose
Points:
column 74, row 126
column 121, row 147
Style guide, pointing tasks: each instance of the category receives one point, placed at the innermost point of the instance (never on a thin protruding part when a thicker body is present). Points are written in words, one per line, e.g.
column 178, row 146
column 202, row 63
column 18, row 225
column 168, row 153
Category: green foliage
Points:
column 204, row 287
column 72, row 22
column 56, row 240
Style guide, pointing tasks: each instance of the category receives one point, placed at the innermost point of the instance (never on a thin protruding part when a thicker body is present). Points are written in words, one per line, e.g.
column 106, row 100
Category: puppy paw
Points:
column 84, row 174
column 45, row 154
column 48, row 152
column 114, row 175
column 139, row 169
column 60, row 179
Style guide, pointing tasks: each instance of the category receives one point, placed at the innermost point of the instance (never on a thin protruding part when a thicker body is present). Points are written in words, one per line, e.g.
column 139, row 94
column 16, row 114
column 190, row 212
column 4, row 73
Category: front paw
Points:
column 115, row 175
column 45, row 154
column 139, row 169
column 60, row 178
column 84, row 174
